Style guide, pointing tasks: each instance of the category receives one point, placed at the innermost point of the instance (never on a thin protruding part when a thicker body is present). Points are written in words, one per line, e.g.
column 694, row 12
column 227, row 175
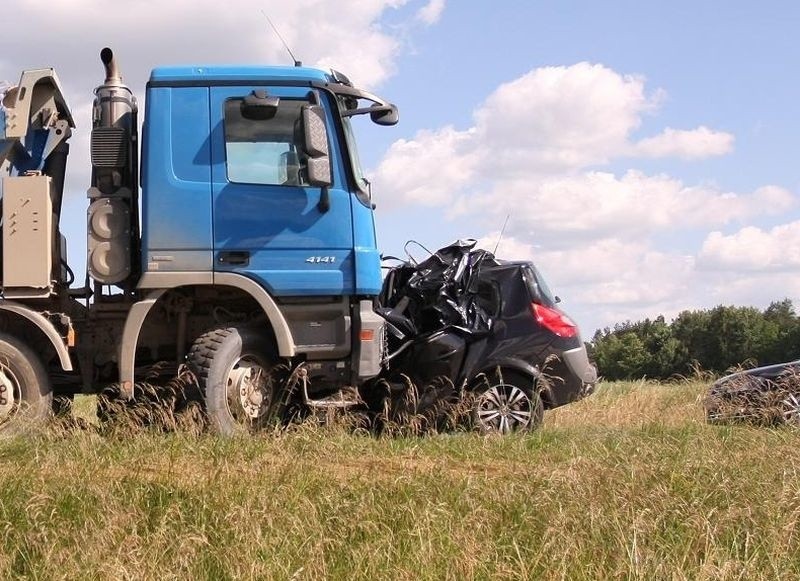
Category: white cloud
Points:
column 633, row 279
column 345, row 34
column 605, row 272
column 753, row 288
column 600, row 204
column 505, row 247
column 561, row 117
column 687, row 144
column 553, row 122
column 429, row 168
column 753, row 249
column 431, row 12
column 530, row 154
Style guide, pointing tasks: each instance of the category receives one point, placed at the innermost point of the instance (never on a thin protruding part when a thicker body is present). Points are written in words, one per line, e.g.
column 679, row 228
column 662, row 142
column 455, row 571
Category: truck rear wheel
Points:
column 26, row 395
column 234, row 366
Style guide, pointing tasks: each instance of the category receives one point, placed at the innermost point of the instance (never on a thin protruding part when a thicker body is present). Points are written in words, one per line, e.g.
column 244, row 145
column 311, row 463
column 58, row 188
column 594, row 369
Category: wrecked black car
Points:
column 764, row 395
column 463, row 325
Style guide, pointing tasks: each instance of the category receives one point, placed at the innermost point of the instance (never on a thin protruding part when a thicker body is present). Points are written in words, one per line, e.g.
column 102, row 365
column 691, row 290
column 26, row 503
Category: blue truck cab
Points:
column 238, row 184
column 250, row 178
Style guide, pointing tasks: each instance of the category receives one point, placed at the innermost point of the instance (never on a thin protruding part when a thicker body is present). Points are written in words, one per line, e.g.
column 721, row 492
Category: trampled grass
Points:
column 630, row 483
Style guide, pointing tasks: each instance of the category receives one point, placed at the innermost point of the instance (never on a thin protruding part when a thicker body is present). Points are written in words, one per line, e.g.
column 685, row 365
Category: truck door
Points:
column 268, row 222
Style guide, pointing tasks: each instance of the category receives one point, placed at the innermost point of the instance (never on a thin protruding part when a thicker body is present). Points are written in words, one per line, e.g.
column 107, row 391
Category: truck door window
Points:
column 267, row 151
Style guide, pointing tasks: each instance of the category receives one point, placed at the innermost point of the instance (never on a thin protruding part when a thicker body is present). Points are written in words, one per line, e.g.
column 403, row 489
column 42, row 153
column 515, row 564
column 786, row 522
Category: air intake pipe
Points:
column 113, row 216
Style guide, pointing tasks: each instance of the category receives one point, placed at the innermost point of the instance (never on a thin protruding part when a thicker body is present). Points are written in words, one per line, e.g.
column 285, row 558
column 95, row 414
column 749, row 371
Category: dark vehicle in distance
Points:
column 769, row 394
column 491, row 328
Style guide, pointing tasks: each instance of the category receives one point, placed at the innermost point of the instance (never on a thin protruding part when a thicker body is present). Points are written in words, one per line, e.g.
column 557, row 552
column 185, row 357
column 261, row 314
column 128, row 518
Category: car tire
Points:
column 233, row 368
column 790, row 409
column 26, row 394
column 506, row 401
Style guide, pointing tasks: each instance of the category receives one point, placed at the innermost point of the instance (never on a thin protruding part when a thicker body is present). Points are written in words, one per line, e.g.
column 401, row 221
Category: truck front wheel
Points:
column 26, row 394
column 234, row 367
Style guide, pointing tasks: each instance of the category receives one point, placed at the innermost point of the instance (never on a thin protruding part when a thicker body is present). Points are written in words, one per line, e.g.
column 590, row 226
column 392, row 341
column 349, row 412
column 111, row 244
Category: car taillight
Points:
column 554, row 320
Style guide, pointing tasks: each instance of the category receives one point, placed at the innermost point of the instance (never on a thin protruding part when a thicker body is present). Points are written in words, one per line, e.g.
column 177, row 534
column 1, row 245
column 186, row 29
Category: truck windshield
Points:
column 355, row 162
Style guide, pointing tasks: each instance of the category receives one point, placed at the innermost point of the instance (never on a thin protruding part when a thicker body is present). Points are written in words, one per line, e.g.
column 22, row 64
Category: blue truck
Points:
column 255, row 241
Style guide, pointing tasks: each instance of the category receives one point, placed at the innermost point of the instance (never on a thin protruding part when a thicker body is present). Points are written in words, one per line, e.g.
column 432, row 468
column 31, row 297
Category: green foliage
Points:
column 714, row 340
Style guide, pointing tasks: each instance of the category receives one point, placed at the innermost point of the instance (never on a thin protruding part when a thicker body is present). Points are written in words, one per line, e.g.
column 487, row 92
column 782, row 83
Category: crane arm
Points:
column 34, row 120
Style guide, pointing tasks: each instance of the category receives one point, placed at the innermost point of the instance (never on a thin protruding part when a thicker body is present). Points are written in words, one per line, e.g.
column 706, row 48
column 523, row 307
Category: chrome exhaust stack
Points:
column 112, row 72
column 113, row 215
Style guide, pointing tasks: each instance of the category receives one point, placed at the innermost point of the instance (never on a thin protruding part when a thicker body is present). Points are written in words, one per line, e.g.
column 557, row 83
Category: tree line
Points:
column 715, row 340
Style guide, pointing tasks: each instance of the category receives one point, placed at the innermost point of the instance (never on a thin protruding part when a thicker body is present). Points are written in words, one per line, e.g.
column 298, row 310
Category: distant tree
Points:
column 715, row 340
column 621, row 356
column 786, row 341
column 781, row 312
column 690, row 329
column 737, row 335
column 666, row 354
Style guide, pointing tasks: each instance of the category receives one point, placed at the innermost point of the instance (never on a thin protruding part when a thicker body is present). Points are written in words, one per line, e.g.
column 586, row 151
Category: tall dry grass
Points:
column 630, row 483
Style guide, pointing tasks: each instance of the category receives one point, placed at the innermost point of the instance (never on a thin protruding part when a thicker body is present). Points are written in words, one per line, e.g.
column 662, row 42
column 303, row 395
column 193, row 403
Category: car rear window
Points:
column 540, row 292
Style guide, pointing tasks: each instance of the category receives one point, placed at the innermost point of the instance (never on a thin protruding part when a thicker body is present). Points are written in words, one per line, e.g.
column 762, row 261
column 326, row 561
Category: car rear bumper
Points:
column 570, row 374
column 578, row 363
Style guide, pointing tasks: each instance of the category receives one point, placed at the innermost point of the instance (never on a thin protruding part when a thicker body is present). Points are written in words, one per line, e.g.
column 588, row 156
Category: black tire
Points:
column 62, row 405
column 117, row 414
column 174, row 404
column 506, row 401
column 790, row 408
column 233, row 367
column 26, row 394
column 114, row 412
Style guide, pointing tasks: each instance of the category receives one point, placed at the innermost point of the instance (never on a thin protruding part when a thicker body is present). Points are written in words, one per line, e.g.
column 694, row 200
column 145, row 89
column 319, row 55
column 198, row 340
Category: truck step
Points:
column 345, row 398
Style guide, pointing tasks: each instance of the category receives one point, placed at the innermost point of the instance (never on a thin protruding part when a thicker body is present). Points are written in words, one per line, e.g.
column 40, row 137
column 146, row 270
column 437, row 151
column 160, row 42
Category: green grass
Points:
column 630, row 483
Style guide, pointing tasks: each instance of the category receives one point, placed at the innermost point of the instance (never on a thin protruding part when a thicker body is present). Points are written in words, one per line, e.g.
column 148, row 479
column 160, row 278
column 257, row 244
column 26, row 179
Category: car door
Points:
column 268, row 221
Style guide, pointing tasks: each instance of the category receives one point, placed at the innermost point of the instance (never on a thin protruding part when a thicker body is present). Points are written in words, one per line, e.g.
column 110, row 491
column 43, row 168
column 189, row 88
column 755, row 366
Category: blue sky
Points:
column 644, row 151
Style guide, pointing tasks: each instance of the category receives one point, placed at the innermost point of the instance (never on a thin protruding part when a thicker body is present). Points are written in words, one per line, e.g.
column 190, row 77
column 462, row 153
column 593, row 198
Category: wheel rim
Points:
column 791, row 409
column 9, row 393
column 504, row 408
column 249, row 391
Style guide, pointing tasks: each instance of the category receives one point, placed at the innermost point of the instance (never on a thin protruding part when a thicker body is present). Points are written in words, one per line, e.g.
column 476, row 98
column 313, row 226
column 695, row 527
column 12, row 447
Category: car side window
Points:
column 488, row 297
column 264, row 151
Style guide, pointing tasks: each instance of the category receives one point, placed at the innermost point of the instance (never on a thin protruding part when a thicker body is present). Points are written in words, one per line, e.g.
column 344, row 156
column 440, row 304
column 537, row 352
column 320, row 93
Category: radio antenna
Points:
column 297, row 63
column 502, row 230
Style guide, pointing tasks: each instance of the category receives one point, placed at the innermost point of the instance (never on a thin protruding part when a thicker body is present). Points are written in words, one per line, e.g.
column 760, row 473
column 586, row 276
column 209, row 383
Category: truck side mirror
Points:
column 315, row 145
column 380, row 114
column 385, row 115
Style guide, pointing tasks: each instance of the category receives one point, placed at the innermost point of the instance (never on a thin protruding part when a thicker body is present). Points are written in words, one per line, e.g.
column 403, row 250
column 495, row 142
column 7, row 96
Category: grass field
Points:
column 630, row 483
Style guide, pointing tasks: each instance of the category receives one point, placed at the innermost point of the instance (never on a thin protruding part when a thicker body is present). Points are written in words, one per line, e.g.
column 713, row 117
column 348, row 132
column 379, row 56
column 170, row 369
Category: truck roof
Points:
column 202, row 74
